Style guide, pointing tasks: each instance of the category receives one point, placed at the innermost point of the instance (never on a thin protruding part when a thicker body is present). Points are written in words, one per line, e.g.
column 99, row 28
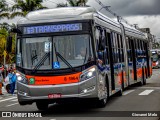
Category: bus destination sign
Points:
column 52, row 28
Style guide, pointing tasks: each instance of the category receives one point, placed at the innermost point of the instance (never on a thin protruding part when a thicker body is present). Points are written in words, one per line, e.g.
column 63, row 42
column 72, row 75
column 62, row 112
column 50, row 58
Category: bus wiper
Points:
column 64, row 60
column 85, row 56
column 38, row 65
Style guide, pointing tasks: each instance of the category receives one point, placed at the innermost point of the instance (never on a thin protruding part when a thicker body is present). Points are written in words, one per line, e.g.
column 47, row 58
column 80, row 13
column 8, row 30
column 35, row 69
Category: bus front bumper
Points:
column 85, row 89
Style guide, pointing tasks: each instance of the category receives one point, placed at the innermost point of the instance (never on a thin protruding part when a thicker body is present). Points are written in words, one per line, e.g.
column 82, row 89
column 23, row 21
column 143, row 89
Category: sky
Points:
column 144, row 13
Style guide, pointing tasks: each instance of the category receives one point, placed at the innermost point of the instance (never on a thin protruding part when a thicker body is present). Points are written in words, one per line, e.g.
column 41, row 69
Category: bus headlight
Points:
column 21, row 78
column 157, row 63
column 88, row 74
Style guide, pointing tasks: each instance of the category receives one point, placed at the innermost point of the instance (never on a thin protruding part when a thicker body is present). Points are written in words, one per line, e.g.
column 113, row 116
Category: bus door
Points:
column 140, row 59
column 118, row 59
column 132, row 61
column 107, row 61
column 115, row 67
column 111, row 58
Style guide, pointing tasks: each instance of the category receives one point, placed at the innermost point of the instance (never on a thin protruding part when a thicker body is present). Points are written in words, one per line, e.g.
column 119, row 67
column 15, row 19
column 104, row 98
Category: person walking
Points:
column 12, row 76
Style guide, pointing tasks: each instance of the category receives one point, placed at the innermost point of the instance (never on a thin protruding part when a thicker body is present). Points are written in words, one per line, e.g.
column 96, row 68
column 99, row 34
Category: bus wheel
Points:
column 102, row 103
column 42, row 105
column 120, row 92
column 22, row 103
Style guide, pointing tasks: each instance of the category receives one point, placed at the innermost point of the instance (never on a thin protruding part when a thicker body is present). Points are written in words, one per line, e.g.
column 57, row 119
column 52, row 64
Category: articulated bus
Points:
column 77, row 53
column 155, row 58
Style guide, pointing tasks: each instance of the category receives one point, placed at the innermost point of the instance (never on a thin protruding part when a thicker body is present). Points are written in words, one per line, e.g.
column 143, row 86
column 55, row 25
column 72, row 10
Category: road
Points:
column 135, row 100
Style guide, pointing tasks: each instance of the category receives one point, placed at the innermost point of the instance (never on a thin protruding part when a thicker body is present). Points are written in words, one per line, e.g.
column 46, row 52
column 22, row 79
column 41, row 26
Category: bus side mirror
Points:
column 16, row 30
column 9, row 44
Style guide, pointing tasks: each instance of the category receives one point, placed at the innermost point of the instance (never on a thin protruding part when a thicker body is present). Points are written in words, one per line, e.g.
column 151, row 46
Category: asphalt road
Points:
column 137, row 100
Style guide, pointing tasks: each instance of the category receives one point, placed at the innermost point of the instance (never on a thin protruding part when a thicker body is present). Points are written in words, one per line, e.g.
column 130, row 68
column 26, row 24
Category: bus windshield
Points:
column 56, row 52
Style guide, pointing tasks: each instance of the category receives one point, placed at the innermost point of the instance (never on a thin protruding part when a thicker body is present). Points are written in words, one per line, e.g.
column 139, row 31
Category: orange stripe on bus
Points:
column 139, row 73
column 54, row 80
column 120, row 77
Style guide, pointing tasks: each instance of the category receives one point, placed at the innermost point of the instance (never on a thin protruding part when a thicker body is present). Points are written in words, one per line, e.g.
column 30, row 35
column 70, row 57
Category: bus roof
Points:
column 58, row 14
column 75, row 13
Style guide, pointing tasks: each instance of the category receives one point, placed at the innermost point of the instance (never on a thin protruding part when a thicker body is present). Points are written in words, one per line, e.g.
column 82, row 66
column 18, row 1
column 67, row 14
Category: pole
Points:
column 4, row 66
column 4, row 62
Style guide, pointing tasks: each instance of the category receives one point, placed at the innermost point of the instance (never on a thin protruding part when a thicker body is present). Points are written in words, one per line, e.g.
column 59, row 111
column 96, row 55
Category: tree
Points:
column 4, row 28
column 3, row 37
column 3, row 9
column 23, row 7
column 62, row 5
column 73, row 3
column 4, row 25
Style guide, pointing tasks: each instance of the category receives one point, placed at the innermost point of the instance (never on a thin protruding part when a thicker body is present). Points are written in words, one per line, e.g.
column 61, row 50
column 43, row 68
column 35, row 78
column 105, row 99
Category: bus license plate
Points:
column 54, row 96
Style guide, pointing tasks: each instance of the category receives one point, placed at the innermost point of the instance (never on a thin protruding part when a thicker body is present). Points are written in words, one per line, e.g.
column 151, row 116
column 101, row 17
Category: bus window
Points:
column 34, row 49
column 75, row 49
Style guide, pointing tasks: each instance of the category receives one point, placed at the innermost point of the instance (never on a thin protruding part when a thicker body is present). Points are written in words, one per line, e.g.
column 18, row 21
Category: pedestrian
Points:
column 11, row 68
column 12, row 78
column 1, row 81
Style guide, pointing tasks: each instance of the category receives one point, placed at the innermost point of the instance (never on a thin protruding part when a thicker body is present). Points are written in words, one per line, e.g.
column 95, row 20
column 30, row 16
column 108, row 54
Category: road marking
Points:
column 8, row 99
column 149, row 87
column 11, row 104
column 127, row 92
column 15, row 100
column 146, row 92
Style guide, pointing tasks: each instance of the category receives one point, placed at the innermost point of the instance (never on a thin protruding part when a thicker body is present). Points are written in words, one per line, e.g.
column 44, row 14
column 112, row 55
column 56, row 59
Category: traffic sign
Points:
column 56, row 65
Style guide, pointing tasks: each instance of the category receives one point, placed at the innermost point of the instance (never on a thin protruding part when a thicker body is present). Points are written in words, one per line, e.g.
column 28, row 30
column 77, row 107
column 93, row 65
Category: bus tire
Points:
column 21, row 103
column 42, row 105
column 102, row 102
column 120, row 92
column 143, row 77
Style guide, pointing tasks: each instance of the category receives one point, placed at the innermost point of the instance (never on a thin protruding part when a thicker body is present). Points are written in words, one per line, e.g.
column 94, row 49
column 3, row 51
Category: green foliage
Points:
column 73, row 3
column 23, row 7
column 10, row 58
column 62, row 5
column 3, row 10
